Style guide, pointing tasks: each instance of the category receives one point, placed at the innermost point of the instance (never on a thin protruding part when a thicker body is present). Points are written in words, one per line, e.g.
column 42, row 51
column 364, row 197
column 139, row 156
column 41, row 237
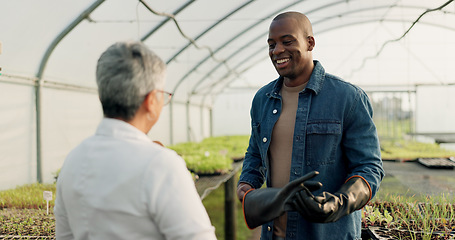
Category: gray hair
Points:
column 126, row 72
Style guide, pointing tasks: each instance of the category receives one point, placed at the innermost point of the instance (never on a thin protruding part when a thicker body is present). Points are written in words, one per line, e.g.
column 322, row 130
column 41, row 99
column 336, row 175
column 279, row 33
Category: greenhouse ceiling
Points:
column 216, row 46
column 216, row 52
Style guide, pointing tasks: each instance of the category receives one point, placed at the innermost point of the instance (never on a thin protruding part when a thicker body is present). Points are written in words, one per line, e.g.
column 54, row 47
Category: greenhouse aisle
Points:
column 420, row 179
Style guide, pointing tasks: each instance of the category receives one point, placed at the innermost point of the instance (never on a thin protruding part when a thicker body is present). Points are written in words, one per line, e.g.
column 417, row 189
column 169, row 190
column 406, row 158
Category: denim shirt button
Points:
column 264, row 139
column 274, row 111
column 269, row 228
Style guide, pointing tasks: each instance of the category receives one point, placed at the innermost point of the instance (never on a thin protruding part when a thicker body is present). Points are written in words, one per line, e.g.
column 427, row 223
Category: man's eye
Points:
column 289, row 42
column 272, row 45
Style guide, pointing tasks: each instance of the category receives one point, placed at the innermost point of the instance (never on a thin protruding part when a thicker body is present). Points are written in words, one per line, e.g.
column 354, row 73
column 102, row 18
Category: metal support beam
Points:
column 229, row 209
column 211, row 121
column 40, row 81
column 188, row 126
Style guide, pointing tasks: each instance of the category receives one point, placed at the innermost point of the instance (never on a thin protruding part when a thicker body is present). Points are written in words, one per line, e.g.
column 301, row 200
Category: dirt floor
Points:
column 420, row 179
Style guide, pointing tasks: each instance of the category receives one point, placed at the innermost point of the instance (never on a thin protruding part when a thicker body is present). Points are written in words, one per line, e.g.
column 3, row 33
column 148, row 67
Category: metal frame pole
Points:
column 40, row 81
column 229, row 209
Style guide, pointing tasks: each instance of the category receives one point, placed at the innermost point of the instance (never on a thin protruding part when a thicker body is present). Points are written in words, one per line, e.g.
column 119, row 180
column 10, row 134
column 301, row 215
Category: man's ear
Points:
column 311, row 43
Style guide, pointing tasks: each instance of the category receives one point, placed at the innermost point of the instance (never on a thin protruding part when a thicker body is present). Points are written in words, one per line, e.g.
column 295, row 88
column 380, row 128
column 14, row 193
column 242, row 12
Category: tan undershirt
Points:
column 280, row 151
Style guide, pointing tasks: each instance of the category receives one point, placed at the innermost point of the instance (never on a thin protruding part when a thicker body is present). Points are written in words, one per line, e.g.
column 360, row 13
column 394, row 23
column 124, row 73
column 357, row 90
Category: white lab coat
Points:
column 118, row 184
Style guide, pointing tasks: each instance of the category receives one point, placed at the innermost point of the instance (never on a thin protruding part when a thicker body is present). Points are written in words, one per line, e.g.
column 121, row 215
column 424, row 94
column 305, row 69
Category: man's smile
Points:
column 282, row 62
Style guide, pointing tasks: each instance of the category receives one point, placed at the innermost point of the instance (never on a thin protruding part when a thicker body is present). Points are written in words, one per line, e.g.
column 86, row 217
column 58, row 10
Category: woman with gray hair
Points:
column 118, row 184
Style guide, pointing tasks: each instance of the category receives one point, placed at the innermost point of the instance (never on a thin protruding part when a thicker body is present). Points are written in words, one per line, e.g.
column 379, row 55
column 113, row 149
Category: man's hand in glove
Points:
column 242, row 188
column 263, row 205
column 327, row 207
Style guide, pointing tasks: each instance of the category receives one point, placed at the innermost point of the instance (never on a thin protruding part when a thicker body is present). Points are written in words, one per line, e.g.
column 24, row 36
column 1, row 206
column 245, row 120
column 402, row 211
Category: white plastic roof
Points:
column 215, row 49
column 211, row 45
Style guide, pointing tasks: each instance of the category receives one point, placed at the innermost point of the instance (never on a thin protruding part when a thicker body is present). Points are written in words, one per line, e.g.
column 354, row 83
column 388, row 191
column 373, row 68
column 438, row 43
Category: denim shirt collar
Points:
column 315, row 83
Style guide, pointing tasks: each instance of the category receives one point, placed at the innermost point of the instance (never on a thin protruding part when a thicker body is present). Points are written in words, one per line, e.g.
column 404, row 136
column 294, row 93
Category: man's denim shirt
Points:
column 334, row 134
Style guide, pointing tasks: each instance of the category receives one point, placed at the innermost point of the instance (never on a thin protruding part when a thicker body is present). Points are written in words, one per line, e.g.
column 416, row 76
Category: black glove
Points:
column 327, row 207
column 263, row 205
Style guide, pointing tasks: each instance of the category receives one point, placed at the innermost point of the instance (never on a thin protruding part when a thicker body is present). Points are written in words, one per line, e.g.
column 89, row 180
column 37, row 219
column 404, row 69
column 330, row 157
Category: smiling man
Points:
column 291, row 43
column 308, row 121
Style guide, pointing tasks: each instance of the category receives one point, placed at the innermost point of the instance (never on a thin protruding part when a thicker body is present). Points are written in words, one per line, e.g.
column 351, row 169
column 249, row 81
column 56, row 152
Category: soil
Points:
column 36, row 224
column 386, row 234
column 413, row 229
column 20, row 223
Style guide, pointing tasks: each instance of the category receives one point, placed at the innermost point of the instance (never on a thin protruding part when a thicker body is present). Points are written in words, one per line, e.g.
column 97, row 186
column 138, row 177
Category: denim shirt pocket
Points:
column 322, row 141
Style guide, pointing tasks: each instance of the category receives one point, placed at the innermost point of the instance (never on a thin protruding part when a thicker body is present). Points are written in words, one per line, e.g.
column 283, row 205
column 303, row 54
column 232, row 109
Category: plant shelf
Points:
column 437, row 163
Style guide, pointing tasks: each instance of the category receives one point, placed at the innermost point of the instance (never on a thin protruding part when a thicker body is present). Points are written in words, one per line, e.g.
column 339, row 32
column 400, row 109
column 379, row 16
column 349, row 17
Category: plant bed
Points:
column 407, row 150
column 233, row 146
column 26, row 224
column 210, row 173
column 397, row 219
column 212, row 156
column 208, row 164
column 381, row 233
column 401, row 160
column 26, row 237
column 437, row 163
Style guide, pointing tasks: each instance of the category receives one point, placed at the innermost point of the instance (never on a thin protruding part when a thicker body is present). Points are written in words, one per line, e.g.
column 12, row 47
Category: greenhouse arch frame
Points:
column 214, row 50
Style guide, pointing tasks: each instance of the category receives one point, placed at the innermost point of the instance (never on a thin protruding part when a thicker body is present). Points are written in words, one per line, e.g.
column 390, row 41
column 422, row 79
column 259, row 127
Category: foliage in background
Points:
column 23, row 212
column 23, row 208
column 410, row 150
column 397, row 145
column 28, row 196
column 212, row 155
column 208, row 163
column 26, row 212
column 234, row 146
column 393, row 129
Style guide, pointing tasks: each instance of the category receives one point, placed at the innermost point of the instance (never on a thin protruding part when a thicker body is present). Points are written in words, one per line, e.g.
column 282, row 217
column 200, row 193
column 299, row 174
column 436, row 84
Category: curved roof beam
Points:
column 208, row 29
column 161, row 24
column 192, row 41
column 228, row 82
column 193, row 90
column 402, row 36
column 261, row 35
column 65, row 32
column 227, row 43
column 338, row 26
column 253, row 25
column 39, row 81
column 211, row 86
column 386, row 20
